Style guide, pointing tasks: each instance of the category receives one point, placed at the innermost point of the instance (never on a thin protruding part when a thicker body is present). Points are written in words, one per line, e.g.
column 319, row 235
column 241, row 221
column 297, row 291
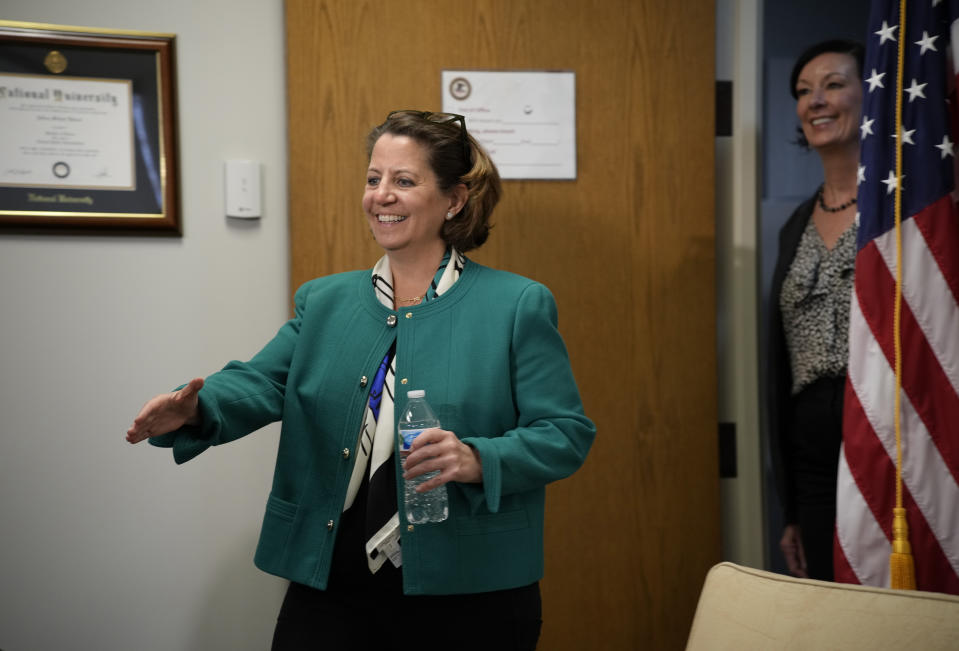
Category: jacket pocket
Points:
column 275, row 534
column 492, row 523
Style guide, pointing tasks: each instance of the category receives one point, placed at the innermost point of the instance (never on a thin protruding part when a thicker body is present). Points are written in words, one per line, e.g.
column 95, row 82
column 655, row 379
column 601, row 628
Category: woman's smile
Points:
column 403, row 203
column 829, row 101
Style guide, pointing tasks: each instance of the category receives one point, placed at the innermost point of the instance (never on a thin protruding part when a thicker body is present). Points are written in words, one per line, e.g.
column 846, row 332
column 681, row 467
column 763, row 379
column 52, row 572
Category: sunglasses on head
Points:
column 438, row 118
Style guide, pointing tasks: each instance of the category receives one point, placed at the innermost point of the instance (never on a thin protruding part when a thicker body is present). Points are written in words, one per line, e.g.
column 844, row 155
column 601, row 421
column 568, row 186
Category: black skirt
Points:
column 814, row 444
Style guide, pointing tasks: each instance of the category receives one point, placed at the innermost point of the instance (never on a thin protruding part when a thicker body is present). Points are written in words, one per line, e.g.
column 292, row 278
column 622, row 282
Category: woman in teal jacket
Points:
column 483, row 344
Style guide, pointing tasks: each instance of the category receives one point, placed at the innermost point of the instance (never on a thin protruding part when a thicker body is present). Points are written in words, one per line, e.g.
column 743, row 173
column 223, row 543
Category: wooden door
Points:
column 627, row 249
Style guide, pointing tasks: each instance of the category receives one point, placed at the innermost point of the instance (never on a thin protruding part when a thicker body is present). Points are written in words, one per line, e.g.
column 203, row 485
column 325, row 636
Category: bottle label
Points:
column 407, row 436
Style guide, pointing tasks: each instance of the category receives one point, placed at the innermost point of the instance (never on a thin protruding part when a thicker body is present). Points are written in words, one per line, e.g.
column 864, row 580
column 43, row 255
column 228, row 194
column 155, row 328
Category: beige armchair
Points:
column 741, row 608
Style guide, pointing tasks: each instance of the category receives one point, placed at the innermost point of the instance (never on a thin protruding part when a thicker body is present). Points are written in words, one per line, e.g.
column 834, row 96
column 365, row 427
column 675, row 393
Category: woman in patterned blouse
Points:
column 809, row 307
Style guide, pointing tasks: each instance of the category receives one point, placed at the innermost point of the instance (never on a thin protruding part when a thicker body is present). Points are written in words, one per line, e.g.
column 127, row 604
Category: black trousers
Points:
column 340, row 620
column 815, row 441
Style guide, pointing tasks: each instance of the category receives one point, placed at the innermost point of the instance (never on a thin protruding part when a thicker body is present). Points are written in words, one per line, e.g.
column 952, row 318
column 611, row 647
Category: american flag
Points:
column 929, row 313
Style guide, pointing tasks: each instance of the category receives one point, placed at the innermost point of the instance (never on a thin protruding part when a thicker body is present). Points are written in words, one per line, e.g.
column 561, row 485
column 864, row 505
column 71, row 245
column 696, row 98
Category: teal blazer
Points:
column 496, row 371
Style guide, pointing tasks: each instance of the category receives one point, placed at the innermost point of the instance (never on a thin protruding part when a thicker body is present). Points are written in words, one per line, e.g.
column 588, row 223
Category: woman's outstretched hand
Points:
column 440, row 449
column 167, row 412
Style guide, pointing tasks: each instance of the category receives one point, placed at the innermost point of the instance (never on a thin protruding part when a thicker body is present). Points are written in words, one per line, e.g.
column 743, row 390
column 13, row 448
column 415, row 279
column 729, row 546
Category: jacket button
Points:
column 363, row 381
column 346, row 453
column 409, row 315
column 391, row 320
column 409, row 528
column 404, row 381
column 329, row 526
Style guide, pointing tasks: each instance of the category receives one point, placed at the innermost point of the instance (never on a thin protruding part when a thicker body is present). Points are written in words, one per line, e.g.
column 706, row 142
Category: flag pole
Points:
column 902, row 570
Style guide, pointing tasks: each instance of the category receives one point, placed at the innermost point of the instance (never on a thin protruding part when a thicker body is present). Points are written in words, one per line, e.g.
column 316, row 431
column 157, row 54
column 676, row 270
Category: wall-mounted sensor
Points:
column 242, row 188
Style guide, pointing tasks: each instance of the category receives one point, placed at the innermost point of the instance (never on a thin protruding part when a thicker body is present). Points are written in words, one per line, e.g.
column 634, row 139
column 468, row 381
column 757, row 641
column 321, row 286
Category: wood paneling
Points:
column 627, row 248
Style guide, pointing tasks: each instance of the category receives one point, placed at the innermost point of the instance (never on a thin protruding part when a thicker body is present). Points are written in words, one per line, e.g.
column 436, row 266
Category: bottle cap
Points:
column 416, row 393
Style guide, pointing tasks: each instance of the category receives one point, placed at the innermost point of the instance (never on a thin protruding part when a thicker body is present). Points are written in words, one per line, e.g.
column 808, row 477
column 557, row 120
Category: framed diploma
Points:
column 88, row 138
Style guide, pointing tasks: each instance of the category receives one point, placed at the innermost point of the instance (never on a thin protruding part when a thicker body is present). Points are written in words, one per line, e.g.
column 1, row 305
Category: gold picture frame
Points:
column 88, row 130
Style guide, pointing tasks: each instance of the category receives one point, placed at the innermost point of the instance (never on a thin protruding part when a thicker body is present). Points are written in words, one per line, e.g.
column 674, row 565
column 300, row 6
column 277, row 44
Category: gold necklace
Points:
column 411, row 299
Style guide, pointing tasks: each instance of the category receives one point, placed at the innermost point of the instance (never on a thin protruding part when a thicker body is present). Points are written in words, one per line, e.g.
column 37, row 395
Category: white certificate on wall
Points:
column 66, row 132
column 526, row 120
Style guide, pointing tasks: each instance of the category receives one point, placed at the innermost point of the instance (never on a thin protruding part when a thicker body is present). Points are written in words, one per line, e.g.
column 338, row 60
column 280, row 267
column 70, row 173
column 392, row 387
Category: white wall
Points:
column 104, row 545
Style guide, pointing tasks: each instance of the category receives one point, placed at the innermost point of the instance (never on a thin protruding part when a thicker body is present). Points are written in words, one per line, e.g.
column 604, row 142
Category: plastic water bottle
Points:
column 431, row 506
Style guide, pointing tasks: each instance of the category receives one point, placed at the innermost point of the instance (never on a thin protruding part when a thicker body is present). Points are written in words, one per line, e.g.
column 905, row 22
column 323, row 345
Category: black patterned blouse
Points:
column 815, row 306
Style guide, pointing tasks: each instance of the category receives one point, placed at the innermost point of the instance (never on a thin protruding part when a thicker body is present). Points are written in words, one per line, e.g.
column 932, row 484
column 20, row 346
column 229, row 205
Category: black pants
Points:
column 342, row 621
column 816, row 439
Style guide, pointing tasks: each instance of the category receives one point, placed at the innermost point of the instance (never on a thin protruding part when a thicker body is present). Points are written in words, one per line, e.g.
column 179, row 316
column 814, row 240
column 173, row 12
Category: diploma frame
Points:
column 142, row 62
